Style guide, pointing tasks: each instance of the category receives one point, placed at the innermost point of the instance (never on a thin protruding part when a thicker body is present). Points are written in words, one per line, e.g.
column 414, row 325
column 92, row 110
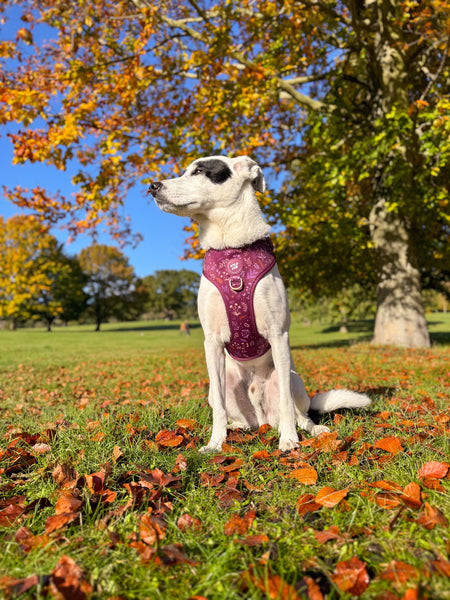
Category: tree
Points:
column 64, row 297
column 172, row 293
column 349, row 96
column 29, row 261
column 112, row 287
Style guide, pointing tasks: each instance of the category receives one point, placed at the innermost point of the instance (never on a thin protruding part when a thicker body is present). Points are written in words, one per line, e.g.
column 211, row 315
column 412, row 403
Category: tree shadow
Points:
column 157, row 327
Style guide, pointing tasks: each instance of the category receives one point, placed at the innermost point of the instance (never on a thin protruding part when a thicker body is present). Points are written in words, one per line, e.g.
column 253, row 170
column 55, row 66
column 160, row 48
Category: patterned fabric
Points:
column 235, row 273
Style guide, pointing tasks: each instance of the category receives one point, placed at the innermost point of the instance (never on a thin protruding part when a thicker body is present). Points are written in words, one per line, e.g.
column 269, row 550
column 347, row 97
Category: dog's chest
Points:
column 235, row 272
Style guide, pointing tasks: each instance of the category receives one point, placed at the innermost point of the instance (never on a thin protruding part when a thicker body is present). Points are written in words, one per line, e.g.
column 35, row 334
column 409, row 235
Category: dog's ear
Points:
column 248, row 168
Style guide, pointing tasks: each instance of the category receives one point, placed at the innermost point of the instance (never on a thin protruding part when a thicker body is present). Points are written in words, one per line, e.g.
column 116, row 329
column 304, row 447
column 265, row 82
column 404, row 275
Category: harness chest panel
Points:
column 235, row 273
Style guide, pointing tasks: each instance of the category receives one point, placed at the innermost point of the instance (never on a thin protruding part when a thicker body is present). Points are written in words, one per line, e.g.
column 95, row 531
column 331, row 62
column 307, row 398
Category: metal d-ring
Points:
column 236, row 284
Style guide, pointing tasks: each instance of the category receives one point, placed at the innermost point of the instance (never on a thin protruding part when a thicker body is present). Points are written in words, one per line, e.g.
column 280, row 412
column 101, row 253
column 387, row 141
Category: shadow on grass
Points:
column 155, row 327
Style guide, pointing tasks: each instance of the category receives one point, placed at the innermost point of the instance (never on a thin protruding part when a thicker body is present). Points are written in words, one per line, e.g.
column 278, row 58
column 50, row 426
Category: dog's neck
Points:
column 234, row 226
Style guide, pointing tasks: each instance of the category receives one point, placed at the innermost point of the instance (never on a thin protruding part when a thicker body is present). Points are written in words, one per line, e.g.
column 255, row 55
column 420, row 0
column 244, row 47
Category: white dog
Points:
column 252, row 377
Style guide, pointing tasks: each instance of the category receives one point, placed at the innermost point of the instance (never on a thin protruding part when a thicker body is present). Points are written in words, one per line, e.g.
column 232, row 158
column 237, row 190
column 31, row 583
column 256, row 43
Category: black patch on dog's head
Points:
column 214, row 169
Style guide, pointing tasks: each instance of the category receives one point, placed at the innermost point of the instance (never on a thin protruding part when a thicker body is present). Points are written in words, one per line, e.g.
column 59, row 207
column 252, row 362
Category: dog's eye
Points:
column 197, row 171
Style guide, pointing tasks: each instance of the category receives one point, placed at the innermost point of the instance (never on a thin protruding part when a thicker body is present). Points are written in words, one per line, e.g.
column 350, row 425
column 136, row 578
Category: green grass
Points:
column 92, row 402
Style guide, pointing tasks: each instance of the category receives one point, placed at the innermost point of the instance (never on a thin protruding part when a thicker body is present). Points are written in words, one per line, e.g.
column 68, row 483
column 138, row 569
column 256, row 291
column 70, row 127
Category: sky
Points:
column 163, row 236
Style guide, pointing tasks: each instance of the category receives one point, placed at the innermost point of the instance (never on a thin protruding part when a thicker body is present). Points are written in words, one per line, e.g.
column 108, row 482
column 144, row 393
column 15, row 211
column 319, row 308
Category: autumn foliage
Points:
column 107, row 473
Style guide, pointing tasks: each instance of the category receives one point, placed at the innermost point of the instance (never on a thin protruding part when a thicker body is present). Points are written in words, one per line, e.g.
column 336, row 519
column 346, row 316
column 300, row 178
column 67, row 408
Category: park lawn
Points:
column 103, row 493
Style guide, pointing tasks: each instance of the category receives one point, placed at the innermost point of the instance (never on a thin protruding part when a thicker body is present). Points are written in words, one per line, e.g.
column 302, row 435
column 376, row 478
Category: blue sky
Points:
column 163, row 235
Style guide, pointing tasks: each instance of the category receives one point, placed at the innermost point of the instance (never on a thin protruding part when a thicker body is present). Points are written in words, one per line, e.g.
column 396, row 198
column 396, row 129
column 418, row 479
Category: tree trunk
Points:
column 400, row 318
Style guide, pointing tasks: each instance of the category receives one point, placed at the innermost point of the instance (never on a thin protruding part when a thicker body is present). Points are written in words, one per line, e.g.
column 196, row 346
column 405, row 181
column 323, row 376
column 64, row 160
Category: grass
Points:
column 108, row 411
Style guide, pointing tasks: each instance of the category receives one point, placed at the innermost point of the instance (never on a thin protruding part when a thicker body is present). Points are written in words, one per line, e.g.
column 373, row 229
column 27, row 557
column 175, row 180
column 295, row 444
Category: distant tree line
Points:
column 40, row 282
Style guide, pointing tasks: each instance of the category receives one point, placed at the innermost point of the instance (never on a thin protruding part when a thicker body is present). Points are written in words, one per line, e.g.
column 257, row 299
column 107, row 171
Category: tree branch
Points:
column 287, row 87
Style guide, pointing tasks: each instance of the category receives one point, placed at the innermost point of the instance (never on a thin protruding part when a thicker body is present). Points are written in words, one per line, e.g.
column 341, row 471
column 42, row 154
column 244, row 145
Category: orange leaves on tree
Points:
column 351, row 576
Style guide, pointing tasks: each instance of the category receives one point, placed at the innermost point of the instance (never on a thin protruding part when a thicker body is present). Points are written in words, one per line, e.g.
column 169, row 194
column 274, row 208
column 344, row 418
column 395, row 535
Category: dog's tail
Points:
column 335, row 399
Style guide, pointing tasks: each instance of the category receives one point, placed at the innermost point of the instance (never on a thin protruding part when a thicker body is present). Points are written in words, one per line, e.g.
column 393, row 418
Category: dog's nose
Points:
column 155, row 187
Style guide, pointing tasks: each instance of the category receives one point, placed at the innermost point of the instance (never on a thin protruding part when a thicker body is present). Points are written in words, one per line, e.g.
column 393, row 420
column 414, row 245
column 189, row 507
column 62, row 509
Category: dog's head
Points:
column 208, row 183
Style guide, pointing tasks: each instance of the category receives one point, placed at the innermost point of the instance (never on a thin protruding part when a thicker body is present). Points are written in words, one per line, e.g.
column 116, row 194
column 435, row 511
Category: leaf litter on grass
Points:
column 361, row 510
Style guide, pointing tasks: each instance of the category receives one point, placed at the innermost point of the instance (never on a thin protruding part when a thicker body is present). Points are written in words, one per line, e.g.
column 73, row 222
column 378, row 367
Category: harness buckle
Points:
column 236, row 284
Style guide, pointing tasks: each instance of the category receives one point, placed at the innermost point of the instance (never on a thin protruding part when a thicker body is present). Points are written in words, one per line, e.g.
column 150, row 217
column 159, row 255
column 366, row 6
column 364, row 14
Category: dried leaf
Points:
column 67, row 581
column 411, row 495
column 58, row 521
column 399, row 572
column 351, row 576
column 306, row 503
column 432, row 517
column 330, row 497
column 169, row 439
column 433, row 470
column 332, row 533
column 306, row 476
column 186, row 522
column 389, row 444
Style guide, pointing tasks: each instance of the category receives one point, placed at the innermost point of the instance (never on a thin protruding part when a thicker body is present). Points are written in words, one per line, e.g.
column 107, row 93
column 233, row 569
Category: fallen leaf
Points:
column 58, row 521
column 186, row 522
column 399, row 572
column 411, row 495
column 65, row 476
column 332, row 533
column 189, row 424
column 389, row 444
column 433, row 470
column 151, row 529
column 273, row 586
column 330, row 497
column 432, row 517
column 252, row 540
column 261, row 455
column 306, row 503
column 67, row 581
column 17, row 587
column 306, row 476
column 168, row 439
column 351, row 576
column 67, row 503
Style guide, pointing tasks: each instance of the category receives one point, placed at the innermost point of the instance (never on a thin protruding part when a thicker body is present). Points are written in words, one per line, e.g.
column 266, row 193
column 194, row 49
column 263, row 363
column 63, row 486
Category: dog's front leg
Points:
column 215, row 362
column 281, row 355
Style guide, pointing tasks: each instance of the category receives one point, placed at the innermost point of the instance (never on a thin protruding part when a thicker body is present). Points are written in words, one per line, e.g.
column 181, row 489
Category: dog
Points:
column 246, row 390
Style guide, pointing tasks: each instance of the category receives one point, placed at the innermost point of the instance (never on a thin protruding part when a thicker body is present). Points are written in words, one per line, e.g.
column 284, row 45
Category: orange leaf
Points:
column 58, row 521
column 261, row 455
column 66, row 580
column 273, row 586
column 389, row 444
column 307, row 476
column 411, row 495
column 151, row 529
column 387, row 500
column 399, row 571
column 433, row 470
column 332, row 533
column 236, row 525
column 186, row 522
column 190, row 424
column 351, row 576
column 330, row 497
column 168, row 439
column 67, row 503
column 253, row 540
column 306, row 504
column 432, row 517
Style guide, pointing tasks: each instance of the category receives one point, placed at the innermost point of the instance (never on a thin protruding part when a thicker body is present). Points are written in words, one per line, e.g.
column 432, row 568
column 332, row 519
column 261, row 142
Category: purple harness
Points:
column 235, row 273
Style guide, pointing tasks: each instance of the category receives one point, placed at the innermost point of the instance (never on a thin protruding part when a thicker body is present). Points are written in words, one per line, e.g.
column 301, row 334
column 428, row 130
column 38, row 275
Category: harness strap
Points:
column 235, row 273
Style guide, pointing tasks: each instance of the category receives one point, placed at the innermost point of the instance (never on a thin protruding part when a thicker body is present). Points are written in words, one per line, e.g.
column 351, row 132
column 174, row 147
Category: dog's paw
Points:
column 288, row 443
column 319, row 429
column 211, row 447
